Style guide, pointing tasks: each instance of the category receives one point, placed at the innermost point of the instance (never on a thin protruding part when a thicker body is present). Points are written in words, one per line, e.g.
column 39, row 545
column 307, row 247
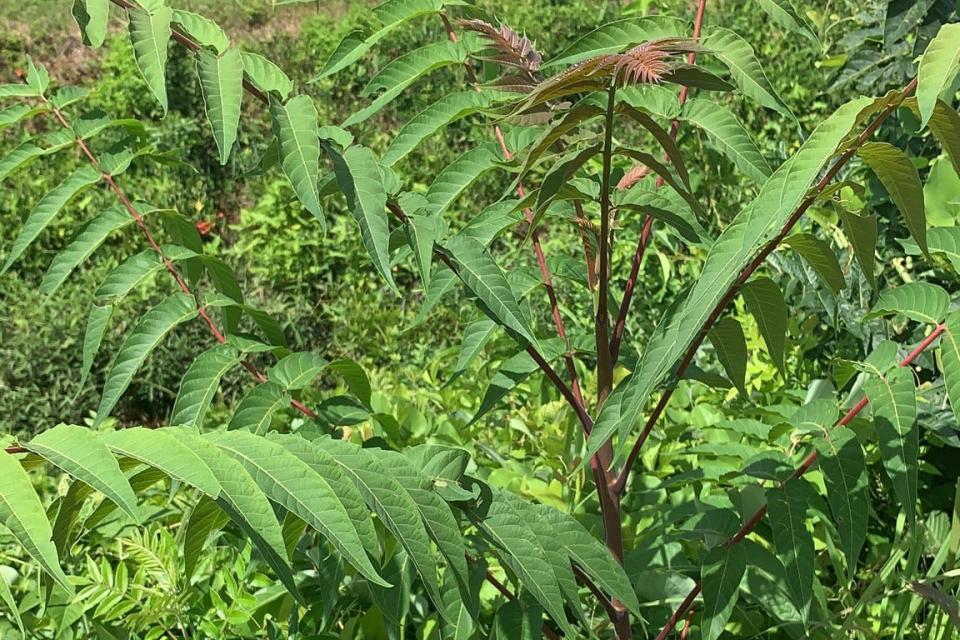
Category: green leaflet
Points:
column 346, row 491
column 669, row 145
column 394, row 603
column 354, row 377
column 511, row 373
column 476, row 335
column 902, row 181
column 816, row 416
column 728, row 341
column 721, row 573
column 296, row 370
column 456, row 623
column 92, row 17
column 221, row 80
column 447, row 110
column 400, row 73
column 19, row 156
column 84, row 244
column 148, row 333
column 80, row 453
column 97, row 321
column 265, row 75
column 765, row 585
column 205, row 31
column 728, row 135
column 894, row 404
column 921, row 301
column 861, row 232
column 18, row 112
column 618, row 35
column 818, row 254
column 664, row 172
column 391, row 14
column 519, row 549
column 205, row 518
column 439, row 462
column 150, row 34
column 166, row 452
column 11, row 603
column 200, row 383
column 937, row 68
column 572, row 119
column 745, row 70
column 592, row 556
column 359, row 177
column 395, row 507
column 255, row 411
column 765, row 303
column 518, row 619
column 784, row 14
column 786, row 510
column 23, row 515
column 752, row 228
column 439, row 521
column 460, row 174
column 422, row 233
column 295, row 127
column 944, row 124
column 290, row 482
column 47, row 208
column 950, row 358
column 845, row 474
column 246, row 504
column 123, row 278
column 483, row 277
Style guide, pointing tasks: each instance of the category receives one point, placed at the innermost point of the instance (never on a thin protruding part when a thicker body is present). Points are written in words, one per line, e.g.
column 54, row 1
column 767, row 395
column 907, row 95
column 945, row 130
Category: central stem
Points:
column 604, row 361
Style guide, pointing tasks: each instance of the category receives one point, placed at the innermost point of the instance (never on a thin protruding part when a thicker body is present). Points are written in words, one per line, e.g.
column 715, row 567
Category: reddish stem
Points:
column 798, row 472
column 621, row 482
column 647, row 229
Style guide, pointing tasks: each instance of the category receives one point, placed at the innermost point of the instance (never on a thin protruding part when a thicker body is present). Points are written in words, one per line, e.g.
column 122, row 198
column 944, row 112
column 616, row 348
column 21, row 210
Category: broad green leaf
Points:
column 944, row 124
column 296, row 370
column 456, row 622
column 572, row 119
column 592, row 556
column 765, row 303
column 520, row 618
column 255, row 411
column 246, row 504
column 816, row 416
column 204, row 519
column 200, row 383
column 391, row 14
column 460, row 174
column 784, row 14
column 920, row 301
column 394, row 603
column 787, row 510
column 440, row 523
column 483, row 277
column 221, row 80
column 728, row 341
column 96, row 327
column 80, row 453
column 160, row 449
column 92, row 16
column 17, row 113
column 938, row 66
column 818, row 254
column 845, row 474
column 511, row 373
column 343, row 486
column 950, row 357
column 400, row 73
column 7, row 596
column 560, row 174
column 395, row 507
column 739, row 243
column 290, row 482
column 47, row 208
column 123, row 278
column 20, row 156
column 664, row 172
column 765, row 585
column 85, row 243
column 728, row 135
column 476, row 335
column 669, row 145
column 439, row 462
column 616, row 36
column 902, row 181
column 295, row 127
column 23, row 515
column 265, row 75
column 721, row 573
column 893, row 401
column 360, row 180
column 203, row 30
column 355, row 378
column 518, row 548
column 422, row 232
column 745, row 69
column 153, row 326
column 861, row 232
column 150, row 34
column 447, row 110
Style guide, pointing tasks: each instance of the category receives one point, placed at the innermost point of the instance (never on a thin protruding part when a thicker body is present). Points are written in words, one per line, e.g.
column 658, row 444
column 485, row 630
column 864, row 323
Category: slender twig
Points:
column 621, row 482
column 797, row 473
column 647, row 229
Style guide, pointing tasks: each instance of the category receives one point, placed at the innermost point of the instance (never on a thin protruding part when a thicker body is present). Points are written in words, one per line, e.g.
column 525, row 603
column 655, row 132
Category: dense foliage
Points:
column 635, row 338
